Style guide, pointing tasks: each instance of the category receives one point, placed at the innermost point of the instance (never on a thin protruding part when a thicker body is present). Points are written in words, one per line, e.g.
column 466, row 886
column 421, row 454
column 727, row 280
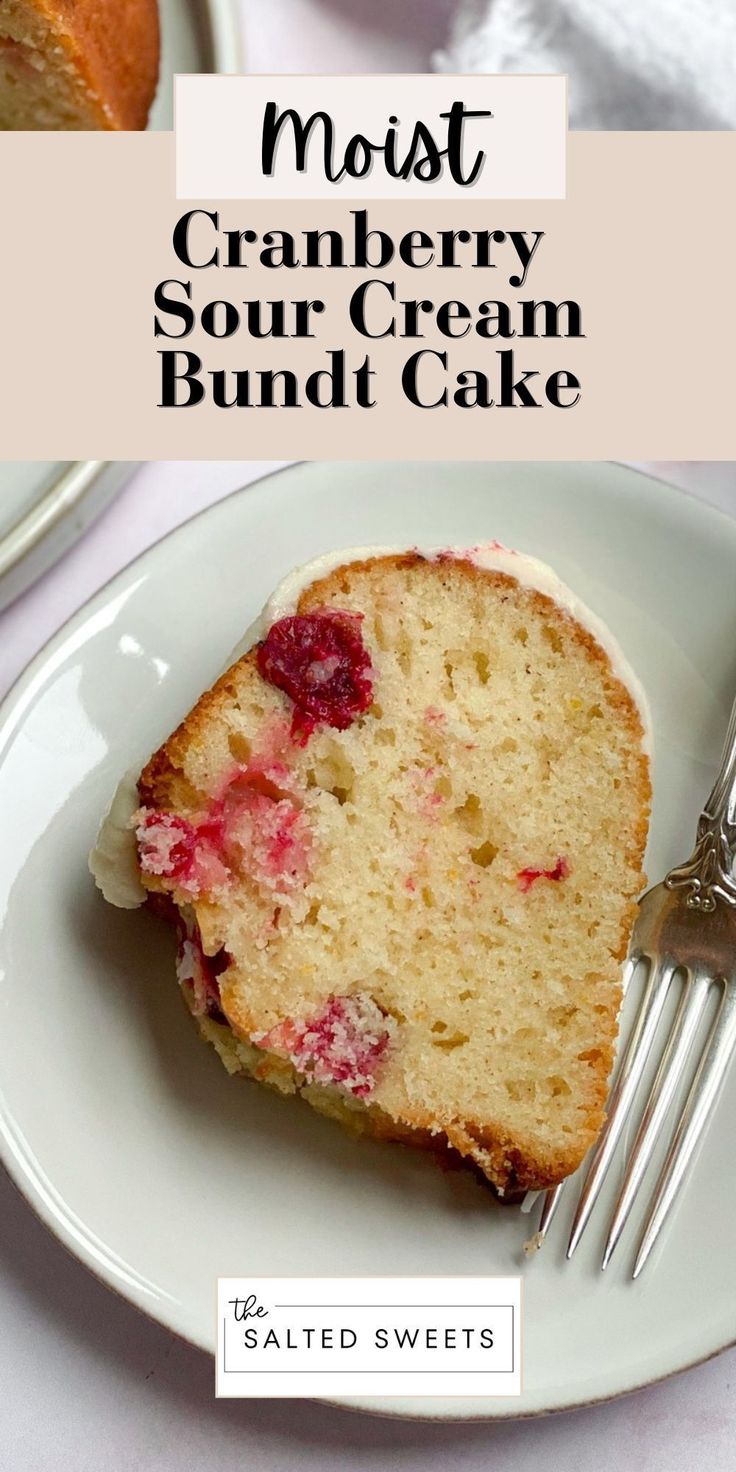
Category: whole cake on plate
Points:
column 401, row 839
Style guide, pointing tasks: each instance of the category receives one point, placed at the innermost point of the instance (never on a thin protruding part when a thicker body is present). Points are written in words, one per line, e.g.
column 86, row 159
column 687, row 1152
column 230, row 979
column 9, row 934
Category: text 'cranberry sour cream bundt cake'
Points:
column 77, row 64
column 402, row 839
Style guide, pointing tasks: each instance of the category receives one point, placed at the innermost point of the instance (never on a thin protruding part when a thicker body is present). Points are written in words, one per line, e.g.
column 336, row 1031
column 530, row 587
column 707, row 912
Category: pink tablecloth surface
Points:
column 342, row 35
column 87, row 1383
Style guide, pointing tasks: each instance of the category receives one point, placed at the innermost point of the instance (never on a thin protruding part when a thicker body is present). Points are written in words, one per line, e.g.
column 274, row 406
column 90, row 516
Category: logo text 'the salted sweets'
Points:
column 457, row 339
column 370, row 1336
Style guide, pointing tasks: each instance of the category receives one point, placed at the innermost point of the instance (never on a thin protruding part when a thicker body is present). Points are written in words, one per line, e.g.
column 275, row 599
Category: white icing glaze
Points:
column 113, row 859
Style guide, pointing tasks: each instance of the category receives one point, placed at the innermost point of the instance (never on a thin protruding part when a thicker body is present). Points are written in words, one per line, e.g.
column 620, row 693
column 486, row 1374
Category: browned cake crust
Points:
column 105, row 53
column 507, row 1155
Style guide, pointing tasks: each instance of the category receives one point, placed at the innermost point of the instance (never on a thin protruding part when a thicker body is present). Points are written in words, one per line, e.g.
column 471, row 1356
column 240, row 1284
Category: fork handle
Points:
column 721, row 804
column 708, row 873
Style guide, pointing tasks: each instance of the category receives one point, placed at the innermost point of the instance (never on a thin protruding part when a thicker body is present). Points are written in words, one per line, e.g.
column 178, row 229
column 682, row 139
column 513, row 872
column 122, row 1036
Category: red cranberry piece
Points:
column 200, row 974
column 343, row 1044
column 321, row 662
column 527, row 877
column 167, row 845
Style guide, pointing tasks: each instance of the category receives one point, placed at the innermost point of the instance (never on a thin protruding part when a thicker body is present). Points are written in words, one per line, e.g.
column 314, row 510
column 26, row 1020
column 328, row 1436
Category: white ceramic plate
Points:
column 123, row 1130
column 196, row 36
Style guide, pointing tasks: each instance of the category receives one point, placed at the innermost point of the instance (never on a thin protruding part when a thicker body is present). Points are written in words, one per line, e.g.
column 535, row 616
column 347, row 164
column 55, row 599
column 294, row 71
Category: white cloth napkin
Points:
column 638, row 64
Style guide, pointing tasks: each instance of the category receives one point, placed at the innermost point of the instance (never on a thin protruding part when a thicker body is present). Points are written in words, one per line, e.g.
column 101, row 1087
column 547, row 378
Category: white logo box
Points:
column 306, row 1337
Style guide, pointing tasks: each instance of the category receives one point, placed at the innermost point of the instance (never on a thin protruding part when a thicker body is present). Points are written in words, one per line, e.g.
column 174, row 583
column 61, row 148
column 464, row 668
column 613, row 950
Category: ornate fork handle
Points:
column 708, row 873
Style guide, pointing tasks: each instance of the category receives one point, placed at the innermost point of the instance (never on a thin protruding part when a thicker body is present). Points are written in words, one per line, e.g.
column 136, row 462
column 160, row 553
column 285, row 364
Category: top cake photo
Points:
column 94, row 64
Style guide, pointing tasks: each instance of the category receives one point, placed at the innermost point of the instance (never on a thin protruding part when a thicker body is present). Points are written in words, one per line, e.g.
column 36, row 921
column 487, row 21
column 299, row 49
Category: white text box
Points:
column 236, row 137
column 302, row 1337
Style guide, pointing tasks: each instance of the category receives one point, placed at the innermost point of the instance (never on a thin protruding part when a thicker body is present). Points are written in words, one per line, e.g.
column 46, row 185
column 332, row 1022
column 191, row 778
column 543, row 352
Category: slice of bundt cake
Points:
column 77, row 64
column 402, row 837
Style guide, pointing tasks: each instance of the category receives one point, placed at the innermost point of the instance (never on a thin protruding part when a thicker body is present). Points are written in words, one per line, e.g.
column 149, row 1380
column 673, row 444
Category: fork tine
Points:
column 698, row 1106
column 549, row 1207
column 623, row 1093
column 674, row 1058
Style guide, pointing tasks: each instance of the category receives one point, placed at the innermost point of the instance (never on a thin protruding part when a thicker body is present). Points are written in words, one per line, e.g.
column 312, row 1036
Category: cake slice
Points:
column 77, row 64
column 402, row 839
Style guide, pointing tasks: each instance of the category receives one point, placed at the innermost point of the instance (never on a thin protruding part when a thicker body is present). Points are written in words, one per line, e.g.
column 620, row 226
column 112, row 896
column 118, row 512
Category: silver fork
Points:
column 686, row 926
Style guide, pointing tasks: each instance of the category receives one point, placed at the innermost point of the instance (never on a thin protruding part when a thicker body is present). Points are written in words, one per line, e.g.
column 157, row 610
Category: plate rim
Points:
column 220, row 48
column 40, row 535
column 64, row 496
column 225, row 37
column 15, row 1167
